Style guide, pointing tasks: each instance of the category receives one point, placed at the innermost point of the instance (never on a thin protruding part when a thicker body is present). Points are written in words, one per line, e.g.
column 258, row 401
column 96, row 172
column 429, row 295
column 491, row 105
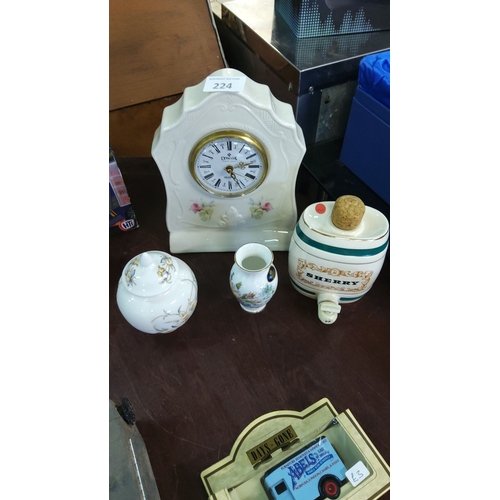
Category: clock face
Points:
column 228, row 163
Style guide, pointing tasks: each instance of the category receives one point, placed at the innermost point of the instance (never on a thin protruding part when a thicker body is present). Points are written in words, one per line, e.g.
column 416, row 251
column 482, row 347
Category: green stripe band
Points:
column 340, row 251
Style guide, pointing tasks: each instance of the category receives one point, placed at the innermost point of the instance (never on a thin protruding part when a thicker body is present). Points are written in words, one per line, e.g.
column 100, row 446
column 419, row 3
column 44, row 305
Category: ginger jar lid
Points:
column 150, row 273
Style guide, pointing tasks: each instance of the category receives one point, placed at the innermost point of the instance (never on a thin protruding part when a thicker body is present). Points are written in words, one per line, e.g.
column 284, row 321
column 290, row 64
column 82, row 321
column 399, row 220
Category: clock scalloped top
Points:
column 229, row 161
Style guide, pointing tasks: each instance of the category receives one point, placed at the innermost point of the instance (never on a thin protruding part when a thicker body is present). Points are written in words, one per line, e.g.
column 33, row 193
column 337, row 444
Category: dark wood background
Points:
column 194, row 390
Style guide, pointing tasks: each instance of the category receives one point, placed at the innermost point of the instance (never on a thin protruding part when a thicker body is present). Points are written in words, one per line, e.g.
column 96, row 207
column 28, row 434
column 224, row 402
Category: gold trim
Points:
column 236, row 134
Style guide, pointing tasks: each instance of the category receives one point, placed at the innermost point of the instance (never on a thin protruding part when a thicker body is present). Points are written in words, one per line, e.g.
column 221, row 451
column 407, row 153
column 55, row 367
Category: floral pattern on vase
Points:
column 253, row 278
column 253, row 299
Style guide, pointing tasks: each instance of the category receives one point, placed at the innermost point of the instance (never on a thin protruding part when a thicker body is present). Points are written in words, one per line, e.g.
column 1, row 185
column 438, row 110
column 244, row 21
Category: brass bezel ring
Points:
column 229, row 133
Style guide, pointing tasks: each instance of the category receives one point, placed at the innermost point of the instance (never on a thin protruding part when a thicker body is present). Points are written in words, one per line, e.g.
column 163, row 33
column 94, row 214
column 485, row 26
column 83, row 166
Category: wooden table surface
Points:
column 194, row 390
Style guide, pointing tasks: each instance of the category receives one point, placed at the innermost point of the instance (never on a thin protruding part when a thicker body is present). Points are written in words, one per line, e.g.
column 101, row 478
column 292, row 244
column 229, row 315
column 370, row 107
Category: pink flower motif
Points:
column 195, row 207
column 266, row 206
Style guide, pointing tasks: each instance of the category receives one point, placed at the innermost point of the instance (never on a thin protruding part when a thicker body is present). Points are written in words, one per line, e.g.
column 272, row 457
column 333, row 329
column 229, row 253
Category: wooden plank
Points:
column 159, row 47
column 131, row 129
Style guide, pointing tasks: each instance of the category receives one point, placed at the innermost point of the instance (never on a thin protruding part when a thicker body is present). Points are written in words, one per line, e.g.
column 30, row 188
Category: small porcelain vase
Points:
column 253, row 278
column 157, row 293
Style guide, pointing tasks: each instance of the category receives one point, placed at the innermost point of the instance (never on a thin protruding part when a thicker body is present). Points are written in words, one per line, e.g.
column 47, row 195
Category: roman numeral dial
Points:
column 228, row 163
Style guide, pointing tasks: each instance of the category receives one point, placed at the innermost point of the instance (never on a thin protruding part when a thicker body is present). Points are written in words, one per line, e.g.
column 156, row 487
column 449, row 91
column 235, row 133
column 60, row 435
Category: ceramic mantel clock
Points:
column 229, row 154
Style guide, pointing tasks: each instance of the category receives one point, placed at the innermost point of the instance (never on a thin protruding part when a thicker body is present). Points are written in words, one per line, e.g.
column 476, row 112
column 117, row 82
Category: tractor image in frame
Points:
column 315, row 472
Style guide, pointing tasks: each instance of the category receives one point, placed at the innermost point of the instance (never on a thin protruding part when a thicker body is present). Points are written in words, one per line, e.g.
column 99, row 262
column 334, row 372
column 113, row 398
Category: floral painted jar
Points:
column 157, row 293
column 253, row 277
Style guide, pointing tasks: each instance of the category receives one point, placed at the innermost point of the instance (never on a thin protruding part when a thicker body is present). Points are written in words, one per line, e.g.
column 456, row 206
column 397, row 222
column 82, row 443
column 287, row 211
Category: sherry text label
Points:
column 332, row 278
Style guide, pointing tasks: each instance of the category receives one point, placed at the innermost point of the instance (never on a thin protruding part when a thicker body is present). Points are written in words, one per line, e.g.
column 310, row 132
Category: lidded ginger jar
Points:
column 157, row 293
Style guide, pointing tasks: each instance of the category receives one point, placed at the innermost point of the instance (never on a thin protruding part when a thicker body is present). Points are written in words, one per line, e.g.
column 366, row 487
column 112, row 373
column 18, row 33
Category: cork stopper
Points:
column 348, row 212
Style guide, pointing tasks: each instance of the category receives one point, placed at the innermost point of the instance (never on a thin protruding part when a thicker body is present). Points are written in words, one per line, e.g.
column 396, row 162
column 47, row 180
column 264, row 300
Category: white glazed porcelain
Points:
column 253, row 277
column 332, row 265
column 200, row 221
column 157, row 293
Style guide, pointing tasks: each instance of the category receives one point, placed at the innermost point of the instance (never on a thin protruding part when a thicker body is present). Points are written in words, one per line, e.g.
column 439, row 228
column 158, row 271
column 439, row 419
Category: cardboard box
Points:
column 283, row 439
column 121, row 213
column 309, row 18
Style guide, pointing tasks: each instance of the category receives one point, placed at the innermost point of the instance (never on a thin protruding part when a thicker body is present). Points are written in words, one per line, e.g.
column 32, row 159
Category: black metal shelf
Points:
column 333, row 179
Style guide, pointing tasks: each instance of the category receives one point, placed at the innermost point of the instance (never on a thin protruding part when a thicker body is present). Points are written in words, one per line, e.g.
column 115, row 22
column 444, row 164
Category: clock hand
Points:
column 229, row 170
column 241, row 175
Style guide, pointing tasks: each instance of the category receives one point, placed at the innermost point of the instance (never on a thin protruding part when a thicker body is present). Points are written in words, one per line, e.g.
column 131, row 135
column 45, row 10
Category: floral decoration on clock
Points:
column 258, row 209
column 204, row 210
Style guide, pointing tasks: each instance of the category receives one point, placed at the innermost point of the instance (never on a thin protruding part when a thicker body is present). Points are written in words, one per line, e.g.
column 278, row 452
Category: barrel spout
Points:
column 328, row 307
